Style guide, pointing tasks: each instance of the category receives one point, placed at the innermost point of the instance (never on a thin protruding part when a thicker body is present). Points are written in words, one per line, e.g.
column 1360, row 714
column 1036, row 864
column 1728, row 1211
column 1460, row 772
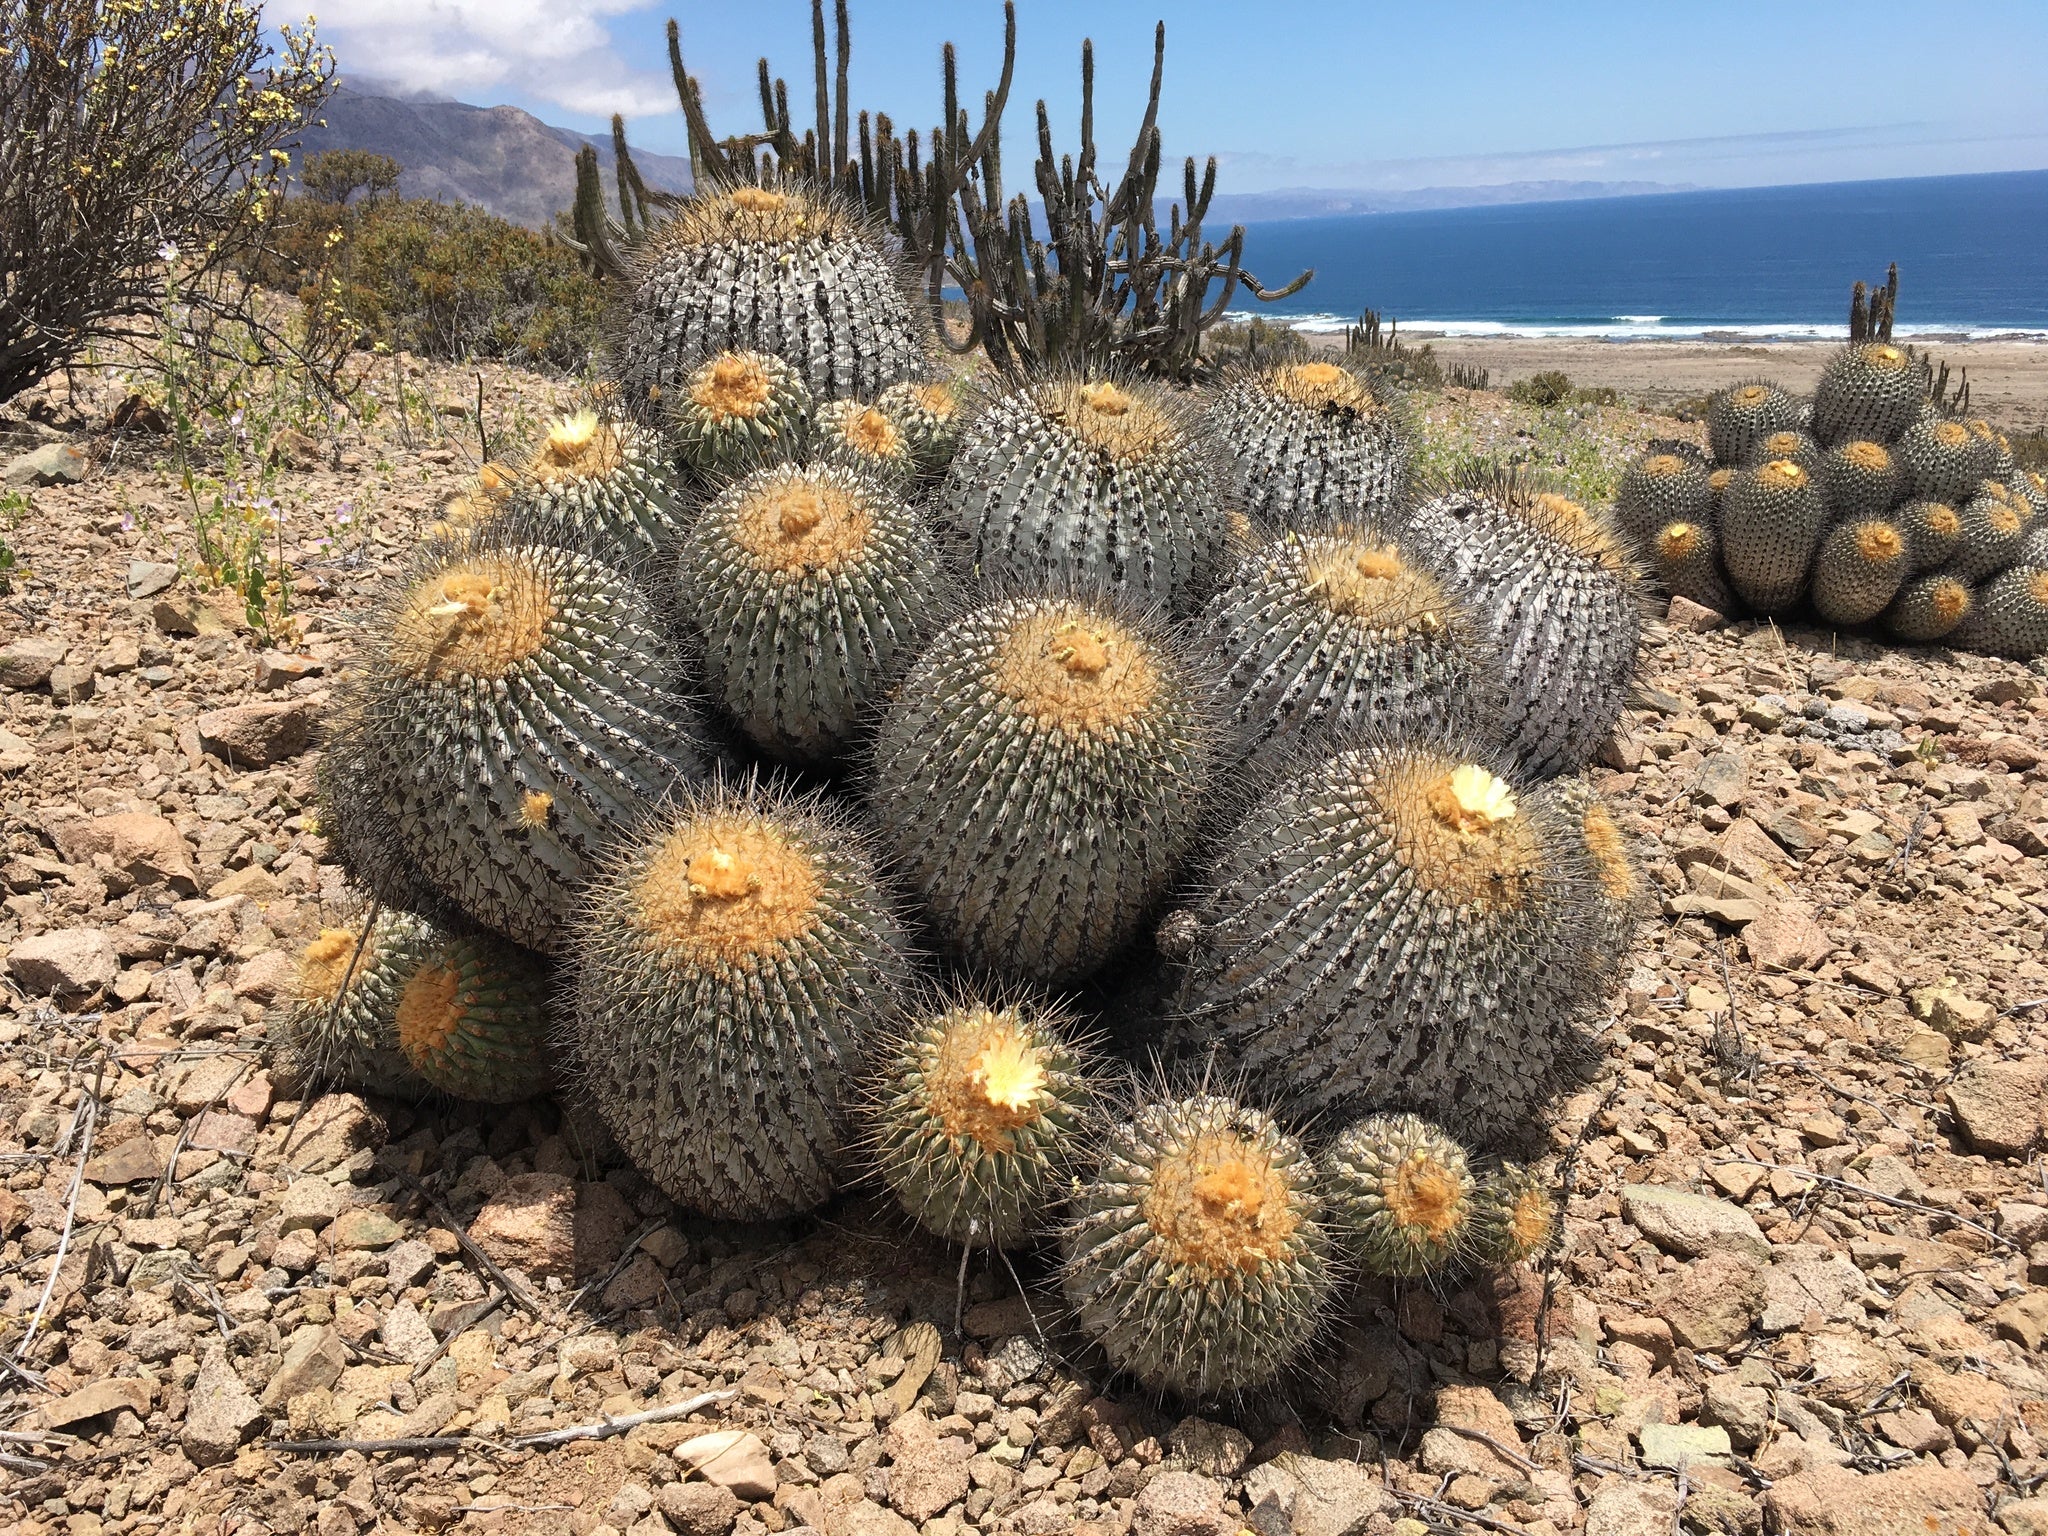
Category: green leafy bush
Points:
column 1552, row 387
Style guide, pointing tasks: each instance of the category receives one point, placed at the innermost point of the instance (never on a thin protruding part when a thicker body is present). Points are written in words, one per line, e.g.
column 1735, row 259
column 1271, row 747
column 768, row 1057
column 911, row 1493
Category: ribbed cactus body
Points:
column 1661, row 488
column 340, row 1023
column 807, row 590
column 1686, row 559
column 1740, row 417
column 1859, row 570
column 1620, row 887
column 732, row 963
column 1400, row 1196
column 1310, row 443
column 2009, row 616
column 1859, row 479
column 1519, row 1215
column 1942, row 460
column 978, row 1117
column 1323, row 637
column 1036, row 780
column 1791, row 443
column 735, row 412
column 1997, row 450
column 1094, row 487
column 1398, row 925
column 755, row 269
column 1772, row 519
column 866, row 440
column 1932, row 530
column 1992, row 524
column 928, row 413
column 1873, row 390
column 604, row 483
column 472, row 1020
column 1550, row 588
column 1196, row 1254
column 1928, row 607
column 513, row 705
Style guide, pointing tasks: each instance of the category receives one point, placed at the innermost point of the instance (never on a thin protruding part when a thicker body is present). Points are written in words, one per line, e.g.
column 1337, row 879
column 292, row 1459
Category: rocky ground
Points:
column 1807, row 1228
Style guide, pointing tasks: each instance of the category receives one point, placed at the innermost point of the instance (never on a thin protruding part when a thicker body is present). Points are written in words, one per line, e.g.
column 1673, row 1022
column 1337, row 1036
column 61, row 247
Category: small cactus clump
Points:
column 2009, row 616
column 866, row 440
column 339, row 1023
column 739, row 410
column 1932, row 530
column 1859, row 479
column 1943, row 460
column 1311, row 442
column 807, row 589
column 1037, row 778
column 1928, row 607
column 1330, row 635
column 1196, row 1255
column 512, row 705
column 1992, row 523
column 470, row 1020
column 605, row 483
column 1517, row 1217
column 1772, row 518
column 1873, row 390
column 1551, row 588
column 731, row 964
column 1685, row 558
column 1400, row 1196
column 1860, row 568
column 1096, row 487
column 977, row 1118
column 777, row 270
column 1740, row 418
column 1662, row 488
column 1309, row 969
column 928, row 414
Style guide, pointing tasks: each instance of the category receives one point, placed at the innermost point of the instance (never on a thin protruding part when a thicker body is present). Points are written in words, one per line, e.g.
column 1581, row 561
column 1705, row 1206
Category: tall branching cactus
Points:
column 1106, row 284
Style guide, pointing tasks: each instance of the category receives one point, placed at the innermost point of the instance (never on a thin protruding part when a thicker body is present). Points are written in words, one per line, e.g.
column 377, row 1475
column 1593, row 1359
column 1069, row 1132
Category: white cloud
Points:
column 556, row 51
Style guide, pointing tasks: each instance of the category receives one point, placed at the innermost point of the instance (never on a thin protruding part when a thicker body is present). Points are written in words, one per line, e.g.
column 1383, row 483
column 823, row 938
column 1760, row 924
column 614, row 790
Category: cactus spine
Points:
column 1739, row 418
column 1943, row 460
column 1518, row 1216
column 1992, row 523
column 1873, row 390
column 928, row 415
column 339, row 1024
column 1859, row 479
column 866, row 440
column 1932, row 530
column 1663, row 488
column 605, row 482
column 1861, row 566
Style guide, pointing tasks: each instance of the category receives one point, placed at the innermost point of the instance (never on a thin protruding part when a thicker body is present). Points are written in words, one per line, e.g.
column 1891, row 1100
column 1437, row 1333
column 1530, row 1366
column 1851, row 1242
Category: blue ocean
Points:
column 1760, row 262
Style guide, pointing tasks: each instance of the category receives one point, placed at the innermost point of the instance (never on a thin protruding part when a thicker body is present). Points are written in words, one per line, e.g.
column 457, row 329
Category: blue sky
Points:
column 1325, row 95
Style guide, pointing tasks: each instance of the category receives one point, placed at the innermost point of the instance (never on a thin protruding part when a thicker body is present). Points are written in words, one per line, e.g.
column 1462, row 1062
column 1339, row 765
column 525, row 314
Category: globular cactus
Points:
column 1932, row 530
column 1997, row 450
column 1740, row 417
column 1400, row 1195
column 732, row 964
column 1859, row 479
column 1518, row 1217
column 1870, row 390
column 1685, row 558
column 737, row 411
column 978, row 1116
column 928, row 413
column 1662, row 488
column 1310, row 442
column 1400, row 924
column 866, row 440
column 1621, row 888
column 807, row 590
column 1772, row 518
column 1859, row 570
column 1928, row 607
column 1791, row 444
column 1196, row 1255
column 471, row 1020
column 1037, row 778
column 480, row 501
column 778, row 270
column 1325, row 636
column 604, row 482
column 2008, row 617
column 2032, row 488
column 513, row 703
column 1942, row 460
column 339, row 1023
column 1097, row 487
column 1550, row 586
column 1993, row 522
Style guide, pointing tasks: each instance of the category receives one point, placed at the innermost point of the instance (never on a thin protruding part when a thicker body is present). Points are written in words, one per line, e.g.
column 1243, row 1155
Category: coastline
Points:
column 2008, row 377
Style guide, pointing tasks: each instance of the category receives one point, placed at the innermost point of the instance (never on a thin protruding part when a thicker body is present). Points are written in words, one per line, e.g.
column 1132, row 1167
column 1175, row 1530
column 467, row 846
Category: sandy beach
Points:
column 2008, row 379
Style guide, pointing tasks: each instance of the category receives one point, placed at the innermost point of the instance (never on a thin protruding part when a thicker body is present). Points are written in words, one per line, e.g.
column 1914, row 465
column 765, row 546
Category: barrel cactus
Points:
column 1311, row 442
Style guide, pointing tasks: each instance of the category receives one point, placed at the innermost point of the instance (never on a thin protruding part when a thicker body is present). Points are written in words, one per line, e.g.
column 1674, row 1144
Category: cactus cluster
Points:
column 1871, row 504
column 798, row 718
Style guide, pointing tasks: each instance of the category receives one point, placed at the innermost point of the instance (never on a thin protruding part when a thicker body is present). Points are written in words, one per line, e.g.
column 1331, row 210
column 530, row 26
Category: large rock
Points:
column 529, row 1223
column 1623, row 1508
column 1182, row 1504
column 145, row 848
column 67, row 962
column 1712, row 1301
column 1833, row 1501
column 734, row 1459
column 1690, row 1225
column 1477, row 1410
column 314, row 1357
column 697, row 1509
column 1998, row 1106
column 28, row 662
column 51, row 464
column 1318, row 1497
column 334, row 1129
column 221, row 1415
column 257, row 735
column 98, row 1398
column 926, row 1474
